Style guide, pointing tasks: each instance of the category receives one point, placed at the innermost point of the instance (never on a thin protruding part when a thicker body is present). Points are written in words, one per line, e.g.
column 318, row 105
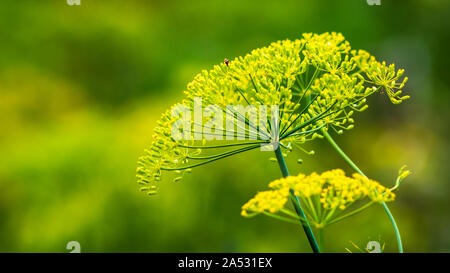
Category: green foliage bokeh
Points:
column 82, row 86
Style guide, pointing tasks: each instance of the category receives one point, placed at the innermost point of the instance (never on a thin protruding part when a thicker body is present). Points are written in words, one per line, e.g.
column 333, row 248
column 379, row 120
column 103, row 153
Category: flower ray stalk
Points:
column 383, row 204
column 296, row 203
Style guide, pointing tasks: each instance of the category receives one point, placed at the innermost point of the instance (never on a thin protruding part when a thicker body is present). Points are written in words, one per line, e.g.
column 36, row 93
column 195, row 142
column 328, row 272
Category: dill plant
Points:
column 317, row 82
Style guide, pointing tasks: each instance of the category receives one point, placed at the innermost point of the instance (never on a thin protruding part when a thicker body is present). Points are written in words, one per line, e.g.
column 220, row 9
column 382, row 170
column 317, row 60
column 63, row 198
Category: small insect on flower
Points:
column 226, row 61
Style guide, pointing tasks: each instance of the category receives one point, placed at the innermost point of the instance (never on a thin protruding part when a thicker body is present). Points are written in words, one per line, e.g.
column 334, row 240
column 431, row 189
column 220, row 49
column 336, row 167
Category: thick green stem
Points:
column 353, row 165
column 297, row 206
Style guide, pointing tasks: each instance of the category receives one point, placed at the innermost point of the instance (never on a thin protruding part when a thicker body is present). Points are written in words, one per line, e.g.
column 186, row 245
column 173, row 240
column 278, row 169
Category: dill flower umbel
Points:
column 325, row 197
column 317, row 82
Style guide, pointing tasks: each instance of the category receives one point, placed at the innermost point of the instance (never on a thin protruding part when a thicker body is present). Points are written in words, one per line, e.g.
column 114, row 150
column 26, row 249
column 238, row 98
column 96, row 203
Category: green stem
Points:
column 297, row 206
column 353, row 165
column 321, row 238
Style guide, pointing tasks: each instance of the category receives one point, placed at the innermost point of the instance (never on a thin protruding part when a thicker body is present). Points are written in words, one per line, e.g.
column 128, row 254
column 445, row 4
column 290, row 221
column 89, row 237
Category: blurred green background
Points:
column 82, row 86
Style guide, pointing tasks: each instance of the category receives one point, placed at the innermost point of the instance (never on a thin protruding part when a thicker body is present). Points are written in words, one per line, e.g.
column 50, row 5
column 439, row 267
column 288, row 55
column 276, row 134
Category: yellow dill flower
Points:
column 317, row 82
column 270, row 201
column 324, row 197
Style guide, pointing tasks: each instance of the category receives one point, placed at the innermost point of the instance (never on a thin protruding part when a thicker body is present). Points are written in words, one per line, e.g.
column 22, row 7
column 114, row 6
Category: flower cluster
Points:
column 270, row 201
column 323, row 196
column 382, row 75
column 317, row 81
